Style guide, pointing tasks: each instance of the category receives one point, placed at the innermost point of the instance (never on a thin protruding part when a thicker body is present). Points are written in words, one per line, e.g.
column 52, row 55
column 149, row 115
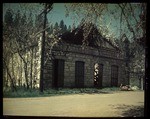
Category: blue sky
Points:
column 58, row 13
column 55, row 15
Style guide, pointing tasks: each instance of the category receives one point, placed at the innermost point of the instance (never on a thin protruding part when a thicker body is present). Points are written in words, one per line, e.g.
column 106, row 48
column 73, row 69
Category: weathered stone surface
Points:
column 71, row 53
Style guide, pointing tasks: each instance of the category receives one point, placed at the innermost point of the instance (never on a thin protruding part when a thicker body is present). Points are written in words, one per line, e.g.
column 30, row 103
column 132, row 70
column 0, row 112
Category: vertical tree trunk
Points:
column 21, row 72
column 43, row 50
column 12, row 67
column 34, row 68
column 13, row 88
column 31, row 68
column 47, row 8
column 26, row 75
column 25, row 69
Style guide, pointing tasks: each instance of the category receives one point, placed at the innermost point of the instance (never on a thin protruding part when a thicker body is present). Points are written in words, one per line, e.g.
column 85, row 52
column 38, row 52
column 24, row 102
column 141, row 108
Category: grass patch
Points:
column 22, row 92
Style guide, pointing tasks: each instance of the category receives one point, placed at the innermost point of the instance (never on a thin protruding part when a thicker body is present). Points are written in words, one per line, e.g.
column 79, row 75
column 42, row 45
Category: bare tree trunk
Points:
column 31, row 68
column 21, row 73
column 26, row 75
column 43, row 50
column 34, row 68
column 4, row 77
column 47, row 9
column 25, row 69
column 13, row 88
column 14, row 82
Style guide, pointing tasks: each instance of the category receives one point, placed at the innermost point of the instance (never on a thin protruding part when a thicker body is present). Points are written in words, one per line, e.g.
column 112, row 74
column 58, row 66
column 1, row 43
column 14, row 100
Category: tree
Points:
column 30, row 20
column 17, row 19
column 134, row 58
column 47, row 8
column 8, row 49
column 65, row 28
column 93, row 12
column 138, row 24
column 89, row 11
column 132, row 19
column 51, row 29
column 22, row 46
column 61, row 25
column 69, row 28
column 38, row 23
column 56, row 25
column 8, row 18
column 18, row 53
column 23, row 20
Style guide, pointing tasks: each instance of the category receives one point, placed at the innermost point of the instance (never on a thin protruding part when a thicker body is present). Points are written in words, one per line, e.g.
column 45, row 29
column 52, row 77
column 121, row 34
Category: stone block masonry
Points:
column 71, row 53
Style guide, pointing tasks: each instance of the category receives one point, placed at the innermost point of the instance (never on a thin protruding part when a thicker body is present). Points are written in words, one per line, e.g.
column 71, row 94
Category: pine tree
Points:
column 56, row 26
column 38, row 23
column 50, row 30
column 8, row 18
column 23, row 19
column 17, row 19
column 65, row 28
column 69, row 28
column 61, row 25
column 30, row 20
column 73, row 26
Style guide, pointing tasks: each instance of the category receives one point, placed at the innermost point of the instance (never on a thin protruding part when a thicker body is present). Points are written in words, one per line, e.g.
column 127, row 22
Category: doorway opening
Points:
column 114, row 76
column 58, row 79
column 79, row 74
column 98, row 75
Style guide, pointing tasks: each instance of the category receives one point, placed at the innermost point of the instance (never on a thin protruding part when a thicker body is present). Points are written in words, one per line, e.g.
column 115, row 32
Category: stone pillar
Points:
column 89, row 73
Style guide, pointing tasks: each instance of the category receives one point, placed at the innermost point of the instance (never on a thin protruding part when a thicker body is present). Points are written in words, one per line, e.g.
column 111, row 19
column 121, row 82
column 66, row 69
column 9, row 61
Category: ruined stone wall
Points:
column 72, row 53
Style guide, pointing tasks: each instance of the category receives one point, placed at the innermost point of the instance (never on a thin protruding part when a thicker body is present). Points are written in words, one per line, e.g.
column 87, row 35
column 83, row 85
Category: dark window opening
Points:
column 98, row 75
column 58, row 79
column 114, row 75
column 79, row 74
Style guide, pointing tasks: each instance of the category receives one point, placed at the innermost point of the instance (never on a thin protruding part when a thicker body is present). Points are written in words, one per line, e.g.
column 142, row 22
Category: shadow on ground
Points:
column 130, row 110
column 95, row 92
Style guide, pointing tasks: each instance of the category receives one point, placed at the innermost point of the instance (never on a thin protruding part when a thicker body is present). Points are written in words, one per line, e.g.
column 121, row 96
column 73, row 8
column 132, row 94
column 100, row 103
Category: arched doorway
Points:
column 98, row 75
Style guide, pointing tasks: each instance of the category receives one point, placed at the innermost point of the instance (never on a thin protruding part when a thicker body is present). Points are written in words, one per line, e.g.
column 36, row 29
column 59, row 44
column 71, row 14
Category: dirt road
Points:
column 115, row 104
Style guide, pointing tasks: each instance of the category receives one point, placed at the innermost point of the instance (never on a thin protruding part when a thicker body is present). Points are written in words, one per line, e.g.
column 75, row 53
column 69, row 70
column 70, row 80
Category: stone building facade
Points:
column 73, row 66
column 62, row 71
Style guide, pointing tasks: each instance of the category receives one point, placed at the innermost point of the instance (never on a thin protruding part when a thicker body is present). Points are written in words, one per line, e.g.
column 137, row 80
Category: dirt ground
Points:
column 114, row 104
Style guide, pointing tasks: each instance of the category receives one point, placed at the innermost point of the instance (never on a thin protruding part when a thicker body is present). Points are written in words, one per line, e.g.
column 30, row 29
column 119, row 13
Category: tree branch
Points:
column 133, row 13
column 128, row 24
